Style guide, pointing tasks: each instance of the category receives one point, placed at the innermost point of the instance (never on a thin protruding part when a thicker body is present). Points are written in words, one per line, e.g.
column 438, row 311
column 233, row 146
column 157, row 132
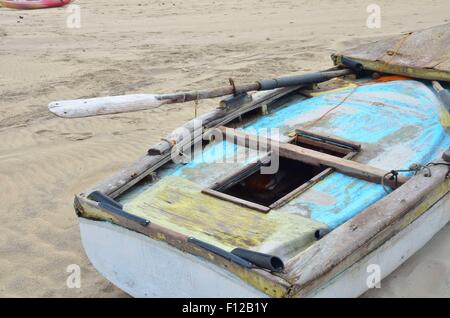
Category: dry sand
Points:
column 151, row 46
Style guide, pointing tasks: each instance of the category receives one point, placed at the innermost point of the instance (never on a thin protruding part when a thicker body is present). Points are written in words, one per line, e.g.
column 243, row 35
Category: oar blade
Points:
column 104, row 105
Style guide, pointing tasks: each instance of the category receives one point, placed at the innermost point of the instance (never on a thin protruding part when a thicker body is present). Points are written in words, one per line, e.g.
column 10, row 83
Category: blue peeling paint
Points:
column 352, row 195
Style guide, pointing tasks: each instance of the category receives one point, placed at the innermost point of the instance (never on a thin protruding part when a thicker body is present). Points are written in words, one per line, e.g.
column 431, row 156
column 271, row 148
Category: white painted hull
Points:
column 143, row 267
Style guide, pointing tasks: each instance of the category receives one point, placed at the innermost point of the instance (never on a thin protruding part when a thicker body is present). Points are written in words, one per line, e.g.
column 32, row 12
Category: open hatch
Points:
column 253, row 188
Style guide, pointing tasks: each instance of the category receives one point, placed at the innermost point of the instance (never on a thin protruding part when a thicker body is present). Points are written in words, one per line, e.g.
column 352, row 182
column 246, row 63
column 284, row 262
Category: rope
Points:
column 170, row 142
column 333, row 108
column 196, row 105
column 233, row 85
column 415, row 167
column 393, row 53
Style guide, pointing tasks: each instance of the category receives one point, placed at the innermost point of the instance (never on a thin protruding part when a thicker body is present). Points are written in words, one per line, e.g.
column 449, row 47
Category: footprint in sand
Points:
column 68, row 136
column 77, row 136
column 43, row 131
column 119, row 133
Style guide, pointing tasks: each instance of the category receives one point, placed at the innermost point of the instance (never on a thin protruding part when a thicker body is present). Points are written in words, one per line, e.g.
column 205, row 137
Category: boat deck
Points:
column 397, row 123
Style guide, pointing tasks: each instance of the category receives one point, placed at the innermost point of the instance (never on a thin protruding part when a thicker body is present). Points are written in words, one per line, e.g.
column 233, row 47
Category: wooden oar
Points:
column 129, row 103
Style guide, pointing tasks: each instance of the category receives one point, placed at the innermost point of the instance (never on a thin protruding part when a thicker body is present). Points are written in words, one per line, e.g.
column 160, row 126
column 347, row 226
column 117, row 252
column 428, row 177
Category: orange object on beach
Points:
column 390, row 78
column 33, row 4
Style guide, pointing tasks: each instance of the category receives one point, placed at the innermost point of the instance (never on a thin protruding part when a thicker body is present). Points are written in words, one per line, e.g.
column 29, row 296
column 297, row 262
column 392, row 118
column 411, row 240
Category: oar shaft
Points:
column 286, row 81
column 207, row 93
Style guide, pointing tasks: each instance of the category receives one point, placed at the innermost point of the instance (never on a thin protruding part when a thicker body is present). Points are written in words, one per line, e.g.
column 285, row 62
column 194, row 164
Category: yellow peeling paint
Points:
column 438, row 193
column 178, row 204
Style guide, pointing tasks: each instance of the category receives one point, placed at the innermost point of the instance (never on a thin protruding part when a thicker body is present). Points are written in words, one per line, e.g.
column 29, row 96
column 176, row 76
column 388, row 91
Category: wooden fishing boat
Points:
column 361, row 180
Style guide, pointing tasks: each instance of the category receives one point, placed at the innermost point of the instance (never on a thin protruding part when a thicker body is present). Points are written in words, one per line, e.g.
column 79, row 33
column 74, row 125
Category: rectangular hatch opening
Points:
column 265, row 189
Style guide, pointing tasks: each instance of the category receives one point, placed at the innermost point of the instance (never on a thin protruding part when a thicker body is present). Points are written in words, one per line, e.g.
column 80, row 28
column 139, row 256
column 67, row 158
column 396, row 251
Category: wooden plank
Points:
column 339, row 141
column 236, row 200
column 365, row 232
column 323, row 145
column 348, row 167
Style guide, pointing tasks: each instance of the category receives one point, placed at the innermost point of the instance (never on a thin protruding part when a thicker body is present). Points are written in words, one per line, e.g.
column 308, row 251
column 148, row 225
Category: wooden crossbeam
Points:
column 290, row 151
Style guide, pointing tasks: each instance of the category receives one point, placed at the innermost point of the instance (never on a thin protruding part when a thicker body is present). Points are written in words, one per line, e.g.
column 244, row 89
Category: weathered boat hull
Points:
column 358, row 180
column 156, row 258
column 144, row 267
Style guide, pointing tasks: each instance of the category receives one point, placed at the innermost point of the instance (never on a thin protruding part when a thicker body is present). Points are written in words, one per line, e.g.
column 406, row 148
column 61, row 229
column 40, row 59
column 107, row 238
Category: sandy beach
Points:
column 140, row 46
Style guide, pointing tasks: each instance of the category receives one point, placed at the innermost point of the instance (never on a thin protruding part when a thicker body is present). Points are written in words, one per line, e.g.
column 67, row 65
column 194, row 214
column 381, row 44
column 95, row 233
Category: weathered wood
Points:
column 286, row 81
column 365, row 232
column 236, row 200
column 323, row 145
column 339, row 141
column 209, row 93
column 348, row 167
column 104, row 105
column 178, row 136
